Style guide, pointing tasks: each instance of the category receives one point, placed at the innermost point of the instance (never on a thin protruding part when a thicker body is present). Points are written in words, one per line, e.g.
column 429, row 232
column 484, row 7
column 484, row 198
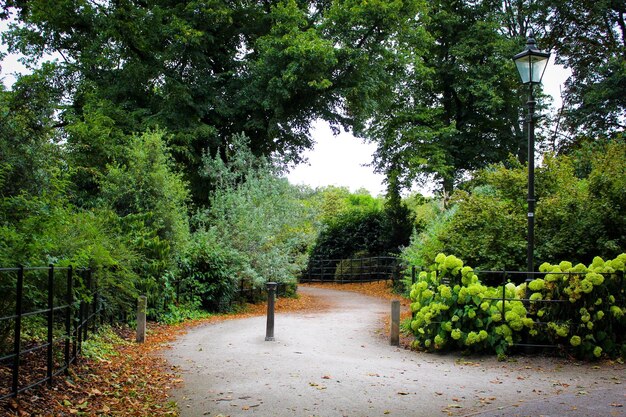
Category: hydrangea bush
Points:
column 586, row 312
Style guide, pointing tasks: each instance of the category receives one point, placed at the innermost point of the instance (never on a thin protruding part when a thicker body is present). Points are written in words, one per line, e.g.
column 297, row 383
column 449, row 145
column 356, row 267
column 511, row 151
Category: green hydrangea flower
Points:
column 545, row 267
column 445, row 291
column 536, row 284
column 597, row 351
column 595, row 278
column 586, row 286
column 456, row 334
column 426, row 294
column 565, row 266
column 472, row 337
column 617, row 312
column 575, row 341
column 597, row 262
column 440, row 258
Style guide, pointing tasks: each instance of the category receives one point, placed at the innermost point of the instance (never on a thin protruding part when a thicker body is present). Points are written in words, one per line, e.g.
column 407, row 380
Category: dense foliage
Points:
column 578, row 307
column 364, row 225
column 255, row 230
column 154, row 143
column 205, row 71
column 580, row 213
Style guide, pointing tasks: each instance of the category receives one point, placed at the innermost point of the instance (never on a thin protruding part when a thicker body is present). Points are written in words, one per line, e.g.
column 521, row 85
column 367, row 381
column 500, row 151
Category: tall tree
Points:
column 205, row 70
column 589, row 37
column 456, row 106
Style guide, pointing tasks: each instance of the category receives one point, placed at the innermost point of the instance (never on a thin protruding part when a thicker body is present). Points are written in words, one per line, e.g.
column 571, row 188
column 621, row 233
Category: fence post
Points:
column 394, row 337
column 87, row 306
column 78, row 341
column 503, row 292
column 341, row 270
column 361, row 269
column 271, row 293
column 96, row 304
column 142, row 306
column 68, row 319
column 49, row 362
column 18, row 329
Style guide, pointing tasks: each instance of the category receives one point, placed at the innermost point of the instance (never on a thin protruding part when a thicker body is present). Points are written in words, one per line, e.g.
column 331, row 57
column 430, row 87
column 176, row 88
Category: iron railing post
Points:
column 49, row 363
column 18, row 329
column 68, row 319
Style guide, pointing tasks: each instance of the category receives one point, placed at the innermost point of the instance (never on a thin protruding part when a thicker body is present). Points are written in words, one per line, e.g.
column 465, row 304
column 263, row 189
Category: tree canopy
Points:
column 207, row 70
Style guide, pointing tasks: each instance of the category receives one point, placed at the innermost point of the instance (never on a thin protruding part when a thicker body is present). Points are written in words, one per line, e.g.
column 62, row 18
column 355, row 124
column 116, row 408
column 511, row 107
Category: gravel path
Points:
column 336, row 363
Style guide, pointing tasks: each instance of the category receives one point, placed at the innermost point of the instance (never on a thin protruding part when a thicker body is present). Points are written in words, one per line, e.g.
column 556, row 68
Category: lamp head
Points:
column 531, row 63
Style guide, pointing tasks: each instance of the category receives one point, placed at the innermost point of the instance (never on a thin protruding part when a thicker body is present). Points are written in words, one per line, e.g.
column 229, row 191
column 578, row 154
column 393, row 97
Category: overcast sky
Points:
column 340, row 160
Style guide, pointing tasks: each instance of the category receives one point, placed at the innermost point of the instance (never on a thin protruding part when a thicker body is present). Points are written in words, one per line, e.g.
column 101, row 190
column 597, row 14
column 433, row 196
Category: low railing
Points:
column 343, row 271
column 63, row 300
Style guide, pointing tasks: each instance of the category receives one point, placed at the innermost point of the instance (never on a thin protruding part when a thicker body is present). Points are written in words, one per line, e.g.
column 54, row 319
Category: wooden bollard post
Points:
column 271, row 295
column 394, row 337
column 142, row 306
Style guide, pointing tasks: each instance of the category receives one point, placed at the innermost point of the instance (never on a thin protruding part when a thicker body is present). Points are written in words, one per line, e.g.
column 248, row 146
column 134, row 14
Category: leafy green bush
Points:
column 257, row 228
column 580, row 213
column 452, row 309
column 210, row 273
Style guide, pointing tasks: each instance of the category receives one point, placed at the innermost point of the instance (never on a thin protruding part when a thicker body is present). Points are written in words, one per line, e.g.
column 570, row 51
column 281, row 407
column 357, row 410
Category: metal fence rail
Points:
column 43, row 297
column 343, row 271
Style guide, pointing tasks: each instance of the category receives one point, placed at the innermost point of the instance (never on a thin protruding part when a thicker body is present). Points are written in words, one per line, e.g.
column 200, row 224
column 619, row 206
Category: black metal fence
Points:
column 343, row 271
column 45, row 315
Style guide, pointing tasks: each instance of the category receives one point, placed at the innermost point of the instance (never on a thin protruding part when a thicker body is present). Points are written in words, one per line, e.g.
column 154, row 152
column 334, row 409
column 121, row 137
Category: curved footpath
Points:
column 334, row 363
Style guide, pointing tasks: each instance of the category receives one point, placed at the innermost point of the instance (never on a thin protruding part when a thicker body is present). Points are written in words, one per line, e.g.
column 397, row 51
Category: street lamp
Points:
column 531, row 64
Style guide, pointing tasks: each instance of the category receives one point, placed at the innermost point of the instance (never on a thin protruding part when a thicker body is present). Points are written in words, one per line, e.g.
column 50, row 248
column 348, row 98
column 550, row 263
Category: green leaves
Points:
column 453, row 110
column 256, row 218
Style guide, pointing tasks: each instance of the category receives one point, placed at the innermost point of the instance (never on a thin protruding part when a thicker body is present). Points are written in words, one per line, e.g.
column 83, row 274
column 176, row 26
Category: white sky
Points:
column 340, row 160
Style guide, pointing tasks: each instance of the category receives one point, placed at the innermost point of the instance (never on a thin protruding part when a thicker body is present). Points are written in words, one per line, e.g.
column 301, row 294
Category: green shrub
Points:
column 210, row 273
column 580, row 213
column 453, row 310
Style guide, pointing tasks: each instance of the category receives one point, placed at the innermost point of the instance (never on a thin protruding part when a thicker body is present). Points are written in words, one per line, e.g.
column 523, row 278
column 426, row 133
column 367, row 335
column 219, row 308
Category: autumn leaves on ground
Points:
column 133, row 379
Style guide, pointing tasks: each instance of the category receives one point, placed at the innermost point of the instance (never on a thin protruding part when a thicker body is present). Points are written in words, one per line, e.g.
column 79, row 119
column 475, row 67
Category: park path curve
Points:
column 336, row 363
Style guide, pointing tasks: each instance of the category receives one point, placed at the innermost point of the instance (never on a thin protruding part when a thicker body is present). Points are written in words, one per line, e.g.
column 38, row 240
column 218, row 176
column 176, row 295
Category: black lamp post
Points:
column 531, row 64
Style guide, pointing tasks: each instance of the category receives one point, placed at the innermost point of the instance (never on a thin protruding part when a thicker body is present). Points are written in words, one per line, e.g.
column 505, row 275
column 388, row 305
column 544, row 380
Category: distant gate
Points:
column 343, row 271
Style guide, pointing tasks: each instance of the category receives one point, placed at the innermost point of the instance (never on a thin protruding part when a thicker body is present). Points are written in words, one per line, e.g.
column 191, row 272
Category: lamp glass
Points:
column 531, row 67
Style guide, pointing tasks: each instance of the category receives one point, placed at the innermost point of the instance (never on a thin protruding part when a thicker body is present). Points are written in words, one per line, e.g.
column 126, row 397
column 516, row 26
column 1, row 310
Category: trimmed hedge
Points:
column 588, row 318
